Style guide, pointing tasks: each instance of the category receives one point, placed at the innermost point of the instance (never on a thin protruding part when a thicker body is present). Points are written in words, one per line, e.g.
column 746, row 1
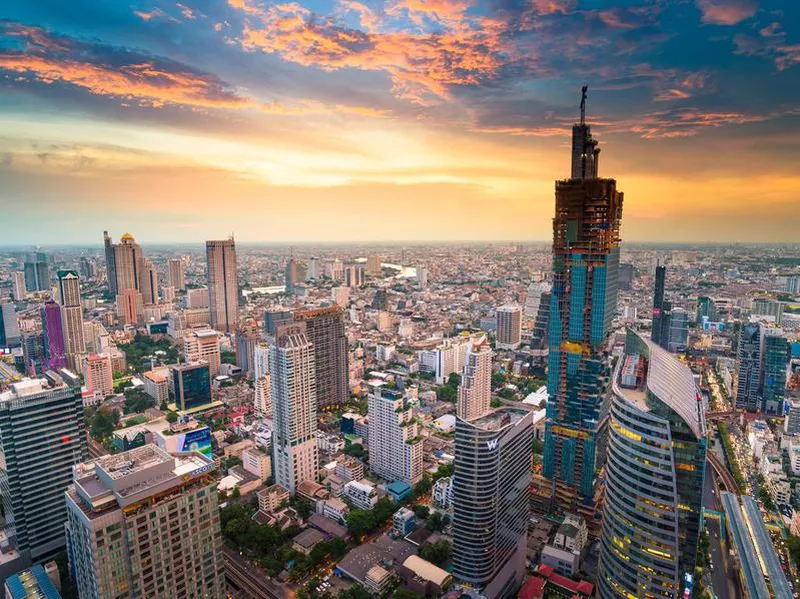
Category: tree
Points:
column 172, row 417
column 228, row 357
column 136, row 400
column 538, row 446
column 453, row 379
column 236, row 493
column 447, row 393
column 423, row 487
column 438, row 521
column 355, row 592
column 404, row 593
column 437, row 553
column 103, row 422
column 422, row 511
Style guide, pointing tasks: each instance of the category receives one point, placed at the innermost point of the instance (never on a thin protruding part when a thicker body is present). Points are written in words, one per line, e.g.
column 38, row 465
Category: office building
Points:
column 247, row 337
column 294, row 407
column 655, row 466
column 292, row 275
column 775, row 370
column 354, row 275
column 176, row 274
column 53, row 330
column 43, row 435
column 475, row 390
column 535, row 296
column 37, row 273
column 325, row 330
column 706, row 308
column 148, row 282
column 127, row 263
column 87, row 268
column 761, row 368
column 509, row 327
column 490, row 501
column 191, row 386
column 660, row 332
column 583, row 302
column 395, row 444
column 203, row 345
column 223, row 290
column 257, row 462
column 97, row 375
column 111, row 269
column 678, row 329
column 198, row 298
column 791, row 424
column 20, row 291
column 130, row 307
column 34, row 354
column 373, row 267
column 274, row 318
column 156, row 385
column 145, row 523
column 765, row 306
column 10, row 336
column 69, row 294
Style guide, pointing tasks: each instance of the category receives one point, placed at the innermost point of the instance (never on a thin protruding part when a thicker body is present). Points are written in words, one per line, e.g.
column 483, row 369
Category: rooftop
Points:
column 32, row 584
column 499, row 418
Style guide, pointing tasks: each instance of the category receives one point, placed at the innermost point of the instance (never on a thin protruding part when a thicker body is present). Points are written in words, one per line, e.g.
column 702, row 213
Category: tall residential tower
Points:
column 223, row 292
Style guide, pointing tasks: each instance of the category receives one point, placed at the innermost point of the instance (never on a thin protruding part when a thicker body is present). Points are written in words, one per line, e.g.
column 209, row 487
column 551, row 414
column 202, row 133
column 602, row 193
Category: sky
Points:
column 393, row 120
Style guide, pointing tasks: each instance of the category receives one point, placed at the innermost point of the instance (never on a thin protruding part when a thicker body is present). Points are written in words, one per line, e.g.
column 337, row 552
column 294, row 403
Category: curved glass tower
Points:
column 654, row 474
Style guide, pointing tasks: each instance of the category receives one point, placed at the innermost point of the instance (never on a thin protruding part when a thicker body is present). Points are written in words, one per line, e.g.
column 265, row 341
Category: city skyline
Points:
column 190, row 120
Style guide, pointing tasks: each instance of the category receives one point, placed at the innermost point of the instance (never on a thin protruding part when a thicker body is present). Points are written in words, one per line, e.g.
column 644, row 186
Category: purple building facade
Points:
column 52, row 327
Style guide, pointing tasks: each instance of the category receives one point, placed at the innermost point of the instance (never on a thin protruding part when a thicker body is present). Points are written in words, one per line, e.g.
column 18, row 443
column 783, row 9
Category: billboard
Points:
column 198, row 440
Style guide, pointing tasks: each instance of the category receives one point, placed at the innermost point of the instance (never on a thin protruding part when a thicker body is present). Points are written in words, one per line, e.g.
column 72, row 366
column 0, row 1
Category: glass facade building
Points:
column 655, row 472
column 191, row 384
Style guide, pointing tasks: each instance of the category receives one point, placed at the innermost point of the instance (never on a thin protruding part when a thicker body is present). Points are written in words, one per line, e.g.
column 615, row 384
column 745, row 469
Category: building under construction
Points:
column 582, row 306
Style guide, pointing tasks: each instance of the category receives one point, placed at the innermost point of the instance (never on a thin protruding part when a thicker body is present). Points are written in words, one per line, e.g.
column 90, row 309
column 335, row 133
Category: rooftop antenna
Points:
column 584, row 89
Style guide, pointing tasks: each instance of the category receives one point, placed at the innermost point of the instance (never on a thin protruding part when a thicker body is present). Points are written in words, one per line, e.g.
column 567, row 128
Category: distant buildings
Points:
column 52, row 326
column 9, row 326
column 37, row 273
column 490, row 501
column 293, row 275
column 656, row 411
column 223, row 289
column 373, row 267
column 176, row 274
column 678, row 330
column 509, row 327
column 294, row 407
column 761, row 368
column 43, row 435
column 325, row 330
column 69, row 294
column 20, row 291
column 146, row 523
column 475, row 390
column 660, row 331
column 395, row 445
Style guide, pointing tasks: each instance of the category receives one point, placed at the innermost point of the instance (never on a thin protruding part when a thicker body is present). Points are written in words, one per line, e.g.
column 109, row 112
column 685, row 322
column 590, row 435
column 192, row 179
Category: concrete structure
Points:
column 791, row 424
column 97, row 374
column 191, row 386
column 223, row 289
column 36, row 582
column 403, row 521
column 655, row 459
column 203, row 345
column 69, row 296
column 662, row 311
column 442, row 493
column 294, row 406
column 55, row 350
column 475, row 390
column 130, row 307
column 148, row 283
column 257, row 462
column 349, row 468
column 490, row 500
column 509, row 327
column 145, row 523
column 395, row 445
column 176, row 274
column 362, row 494
column 270, row 498
column 156, row 385
column 43, row 435
column 20, row 292
column 325, row 330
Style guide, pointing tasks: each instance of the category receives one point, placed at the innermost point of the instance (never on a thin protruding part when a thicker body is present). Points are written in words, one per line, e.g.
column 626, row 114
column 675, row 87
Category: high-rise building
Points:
column 127, row 263
column 422, row 277
column 475, row 390
column 42, row 432
column 748, row 367
column 660, row 332
column 373, row 267
column 111, row 267
column 766, row 306
column 291, row 275
column 87, row 268
column 223, row 290
column 541, row 325
column 678, row 329
column 176, row 271
column 148, row 282
column 776, row 361
column 97, row 374
column 294, row 407
column 707, row 308
column 247, row 337
column 274, row 318
column 191, row 386
column 381, row 300
column 791, row 424
column 583, row 302
column 395, row 445
column 490, row 500
column 654, row 470
column 55, row 350
column 33, row 353
column 354, row 275
column 37, row 273
column 130, row 308
column 509, row 327
column 145, row 523
column 9, row 326
column 203, row 345
column 20, row 291
column 69, row 294
column 325, row 330
column 263, row 396
column 534, row 296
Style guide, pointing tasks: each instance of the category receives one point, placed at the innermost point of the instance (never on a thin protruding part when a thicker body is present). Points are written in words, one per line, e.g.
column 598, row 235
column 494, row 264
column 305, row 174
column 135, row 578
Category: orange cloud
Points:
column 726, row 12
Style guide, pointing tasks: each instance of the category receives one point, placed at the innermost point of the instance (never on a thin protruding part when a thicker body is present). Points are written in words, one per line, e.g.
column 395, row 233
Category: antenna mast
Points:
column 584, row 89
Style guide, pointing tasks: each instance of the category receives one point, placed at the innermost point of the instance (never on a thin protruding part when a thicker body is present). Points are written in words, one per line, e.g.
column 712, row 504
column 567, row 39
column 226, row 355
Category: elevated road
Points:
column 248, row 582
column 723, row 473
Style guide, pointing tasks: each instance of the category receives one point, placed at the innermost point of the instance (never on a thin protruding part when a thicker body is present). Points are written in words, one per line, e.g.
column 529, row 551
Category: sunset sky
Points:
column 337, row 120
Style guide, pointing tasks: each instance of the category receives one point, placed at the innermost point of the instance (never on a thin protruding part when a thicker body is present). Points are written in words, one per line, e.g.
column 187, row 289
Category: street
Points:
column 724, row 578
column 249, row 581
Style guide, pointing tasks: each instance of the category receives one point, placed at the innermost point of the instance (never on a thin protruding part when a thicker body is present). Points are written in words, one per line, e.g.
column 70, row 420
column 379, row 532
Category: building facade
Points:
column 69, row 294
column 325, row 330
column 475, row 390
column 176, row 274
column 395, row 445
column 191, row 386
column 223, row 289
column 203, row 345
column 656, row 464
column 490, row 501
column 509, row 327
column 660, row 331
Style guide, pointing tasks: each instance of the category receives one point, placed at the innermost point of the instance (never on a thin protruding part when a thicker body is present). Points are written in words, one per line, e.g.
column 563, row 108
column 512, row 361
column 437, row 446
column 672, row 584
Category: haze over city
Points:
column 399, row 120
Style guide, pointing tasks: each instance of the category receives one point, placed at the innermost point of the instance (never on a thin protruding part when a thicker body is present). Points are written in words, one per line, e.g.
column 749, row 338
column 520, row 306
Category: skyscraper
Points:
column 325, row 329
column 223, row 290
column 176, row 270
column 9, row 326
column 509, row 327
column 660, row 331
column 655, row 469
column 127, row 263
column 145, row 523
column 148, row 282
column 678, row 329
column 42, row 431
column 69, row 294
column 490, row 500
column 291, row 275
column 55, row 350
column 475, row 390
column 203, row 345
column 294, row 407
column 583, row 301
column 775, row 360
column 111, row 263
column 20, row 291
column 130, row 306
column 191, row 384
column 395, row 446
column 247, row 337
column 37, row 273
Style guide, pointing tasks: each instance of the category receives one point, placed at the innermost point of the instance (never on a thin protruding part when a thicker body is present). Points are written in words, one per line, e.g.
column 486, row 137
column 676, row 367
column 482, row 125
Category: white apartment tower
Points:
column 69, row 296
column 509, row 326
column 223, row 292
column 395, row 445
column 294, row 407
column 475, row 391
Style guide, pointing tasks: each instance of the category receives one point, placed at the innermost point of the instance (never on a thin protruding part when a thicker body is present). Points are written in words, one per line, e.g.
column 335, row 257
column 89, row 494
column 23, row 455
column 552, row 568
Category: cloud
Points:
column 770, row 43
column 726, row 12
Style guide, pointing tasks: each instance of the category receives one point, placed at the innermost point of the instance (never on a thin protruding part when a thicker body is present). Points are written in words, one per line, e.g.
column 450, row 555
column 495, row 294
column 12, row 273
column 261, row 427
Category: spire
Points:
column 584, row 89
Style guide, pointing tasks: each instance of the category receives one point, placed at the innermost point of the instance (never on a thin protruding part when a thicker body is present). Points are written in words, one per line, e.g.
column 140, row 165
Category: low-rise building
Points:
column 403, row 521
column 349, row 468
column 307, row 540
column 257, row 463
column 156, row 385
column 442, row 493
column 270, row 498
column 333, row 508
column 362, row 494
